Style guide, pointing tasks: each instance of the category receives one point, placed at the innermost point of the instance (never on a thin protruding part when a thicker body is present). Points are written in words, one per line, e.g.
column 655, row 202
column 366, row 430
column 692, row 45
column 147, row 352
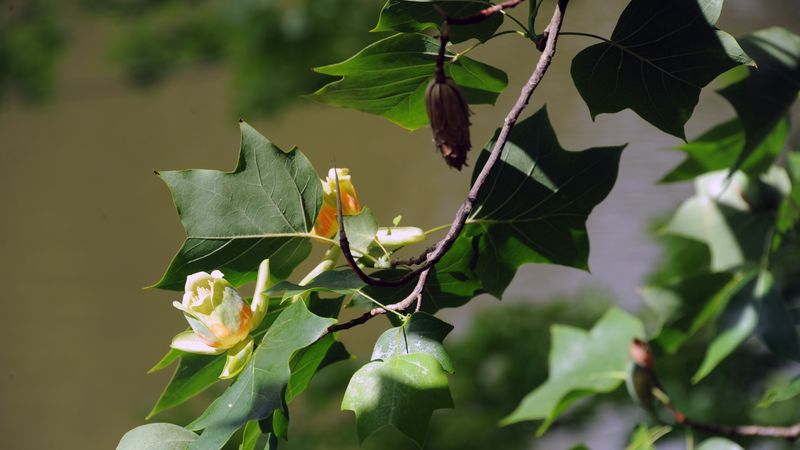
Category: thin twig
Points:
column 551, row 33
column 640, row 348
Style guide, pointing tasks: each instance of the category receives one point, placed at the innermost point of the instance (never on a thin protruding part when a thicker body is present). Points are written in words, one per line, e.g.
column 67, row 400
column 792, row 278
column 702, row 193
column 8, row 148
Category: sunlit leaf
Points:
column 660, row 55
column 581, row 363
column 389, row 78
column 720, row 147
column 157, row 436
column 644, row 437
column 422, row 333
column 408, row 16
column 234, row 220
column 717, row 443
column 402, row 391
column 780, row 393
column 257, row 392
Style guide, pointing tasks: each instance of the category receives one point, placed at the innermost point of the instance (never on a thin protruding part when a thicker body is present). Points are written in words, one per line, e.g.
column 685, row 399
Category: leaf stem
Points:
column 595, row 36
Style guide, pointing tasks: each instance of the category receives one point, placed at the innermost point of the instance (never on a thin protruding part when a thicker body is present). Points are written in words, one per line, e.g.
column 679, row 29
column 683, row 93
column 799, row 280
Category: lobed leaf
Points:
column 535, row 204
column 421, row 333
column 581, row 363
column 660, row 55
column 763, row 99
column 409, row 16
column 389, row 78
column 402, row 391
column 265, row 208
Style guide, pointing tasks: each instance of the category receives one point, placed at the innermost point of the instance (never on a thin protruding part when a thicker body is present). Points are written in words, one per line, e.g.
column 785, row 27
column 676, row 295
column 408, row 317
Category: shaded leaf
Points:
column 535, row 204
column 361, row 229
column 660, row 55
column 157, row 436
column 344, row 282
column 720, row 147
column 421, row 333
column 263, row 209
column 402, row 391
column 389, row 78
column 763, row 99
column 308, row 361
column 195, row 373
column 256, row 393
column 408, row 16
column 581, row 363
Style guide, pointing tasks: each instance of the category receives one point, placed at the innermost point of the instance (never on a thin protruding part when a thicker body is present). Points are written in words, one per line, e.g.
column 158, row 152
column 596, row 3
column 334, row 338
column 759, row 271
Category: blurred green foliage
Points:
column 30, row 39
column 269, row 46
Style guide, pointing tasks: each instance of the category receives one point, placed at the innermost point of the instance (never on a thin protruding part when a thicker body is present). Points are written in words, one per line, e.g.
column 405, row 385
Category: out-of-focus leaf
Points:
column 721, row 217
column 421, row 333
column 581, row 363
column 409, row 16
column 402, row 391
column 780, row 393
column 776, row 324
column 157, row 436
column 644, row 437
column 389, row 78
column 762, row 99
column 256, row 393
column 265, row 208
column 660, row 55
column 717, row 443
column 720, row 147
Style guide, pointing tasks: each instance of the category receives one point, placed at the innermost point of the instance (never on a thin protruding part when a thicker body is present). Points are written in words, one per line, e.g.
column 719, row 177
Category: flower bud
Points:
column 396, row 237
column 218, row 315
column 327, row 224
column 449, row 117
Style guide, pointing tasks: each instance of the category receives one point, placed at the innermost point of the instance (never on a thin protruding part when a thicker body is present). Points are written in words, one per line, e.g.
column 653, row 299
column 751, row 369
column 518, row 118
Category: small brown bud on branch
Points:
column 449, row 116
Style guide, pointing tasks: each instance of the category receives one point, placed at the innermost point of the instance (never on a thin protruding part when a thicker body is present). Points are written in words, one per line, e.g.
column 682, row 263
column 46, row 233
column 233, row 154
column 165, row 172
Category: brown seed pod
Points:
column 449, row 116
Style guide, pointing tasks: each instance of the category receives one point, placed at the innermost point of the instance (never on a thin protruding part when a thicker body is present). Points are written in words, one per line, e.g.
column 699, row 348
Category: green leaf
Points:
column 720, row 147
column 194, row 374
column 763, row 99
column 256, row 393
column 344, row 282
column 735, row 325
column 685, row 306
column 660, row 55
column 780, row 393
column 263, row 209
column 723, row 217
column 402, row 391
column 361, row 229
column 421, row 333
column 389, row 78
column 644, row 438
column 717, row 443
column 408, row 16
column 535, row 204
column 157, row 436
column 169, row 357
column 776, row 324
column 533, row 11
column 581, row 363
column 308, row 361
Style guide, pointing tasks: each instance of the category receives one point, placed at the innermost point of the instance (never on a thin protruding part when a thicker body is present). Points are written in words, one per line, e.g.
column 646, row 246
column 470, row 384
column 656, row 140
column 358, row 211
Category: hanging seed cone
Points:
column 449, row 116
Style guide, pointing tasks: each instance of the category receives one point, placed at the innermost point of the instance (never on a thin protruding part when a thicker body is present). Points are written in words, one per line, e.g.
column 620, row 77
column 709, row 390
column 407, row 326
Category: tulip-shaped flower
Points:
column 327, row 225
column 221, row 320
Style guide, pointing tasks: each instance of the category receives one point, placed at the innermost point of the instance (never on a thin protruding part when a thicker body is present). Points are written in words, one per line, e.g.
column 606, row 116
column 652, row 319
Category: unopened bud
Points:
column 449, row 116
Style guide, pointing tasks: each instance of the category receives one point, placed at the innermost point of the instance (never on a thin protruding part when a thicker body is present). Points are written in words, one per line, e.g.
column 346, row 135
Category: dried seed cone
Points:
column 449, row 116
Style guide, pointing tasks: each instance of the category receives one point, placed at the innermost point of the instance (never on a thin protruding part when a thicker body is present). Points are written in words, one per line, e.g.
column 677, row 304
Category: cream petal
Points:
column 191, row 343
column 237, row 357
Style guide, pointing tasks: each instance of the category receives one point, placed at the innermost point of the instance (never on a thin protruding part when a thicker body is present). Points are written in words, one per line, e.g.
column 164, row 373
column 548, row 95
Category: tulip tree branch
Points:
column 643, row 357
column 440, row 249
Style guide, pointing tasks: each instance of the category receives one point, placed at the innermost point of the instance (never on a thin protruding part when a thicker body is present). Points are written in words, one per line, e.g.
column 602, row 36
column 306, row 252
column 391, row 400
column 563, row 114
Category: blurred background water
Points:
column 85, row 225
